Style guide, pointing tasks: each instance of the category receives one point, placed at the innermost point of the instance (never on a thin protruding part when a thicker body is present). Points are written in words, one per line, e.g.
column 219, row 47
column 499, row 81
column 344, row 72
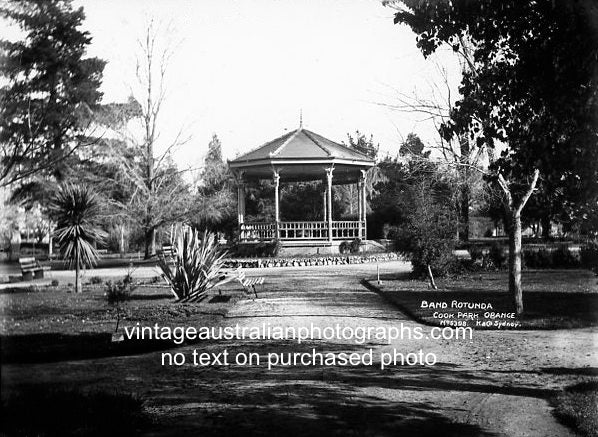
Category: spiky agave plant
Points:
column 198, row 264
column 75, row 210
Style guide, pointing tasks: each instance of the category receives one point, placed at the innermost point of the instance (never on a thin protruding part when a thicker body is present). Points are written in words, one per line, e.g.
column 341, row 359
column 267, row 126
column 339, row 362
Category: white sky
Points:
column 244, row 69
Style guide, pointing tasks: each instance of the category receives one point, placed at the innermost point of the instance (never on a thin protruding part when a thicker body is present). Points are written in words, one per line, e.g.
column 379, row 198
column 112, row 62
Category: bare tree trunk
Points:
column 431, row 278
column 515, row 262
column 513, row 209
column 150, row 243
column 465, row 192
column 545, row 222
column 464, row 213
column 78, row 287
column 50, row 240
column 122, row 240
column 117, row 317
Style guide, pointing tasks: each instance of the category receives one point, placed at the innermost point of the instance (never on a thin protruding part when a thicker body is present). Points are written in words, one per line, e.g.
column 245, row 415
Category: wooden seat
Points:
column 32, row 269
column 168, row 251
column 249, row 284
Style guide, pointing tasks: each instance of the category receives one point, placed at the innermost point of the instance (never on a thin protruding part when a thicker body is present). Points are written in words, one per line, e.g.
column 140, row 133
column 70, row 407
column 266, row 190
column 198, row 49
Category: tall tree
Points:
column 215, row 175
column 160, row 195
column 76, row 210
column 460, row 154
column 530, row 92
column 51, row 88
column 363, row 144
column 348, row 193
column 413, row 146
column 215, row 206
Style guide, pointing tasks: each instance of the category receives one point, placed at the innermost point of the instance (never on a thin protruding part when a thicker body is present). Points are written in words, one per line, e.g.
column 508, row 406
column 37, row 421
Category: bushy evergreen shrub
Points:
column 198, row 265
column 355, row 245
column 344, row 247
column 589, row 256
column 563, row 258
column 497, row 257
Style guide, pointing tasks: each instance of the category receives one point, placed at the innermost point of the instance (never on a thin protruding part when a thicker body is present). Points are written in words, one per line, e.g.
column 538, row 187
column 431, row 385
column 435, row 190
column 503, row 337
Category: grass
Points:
column 49, row 324
column 216, row 401
column 553, row 299
column 42, row 411
column 577, row 407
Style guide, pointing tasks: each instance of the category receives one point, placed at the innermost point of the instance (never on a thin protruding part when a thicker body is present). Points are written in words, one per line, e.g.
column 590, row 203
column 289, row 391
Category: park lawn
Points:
column 577, row 407
column 553, row 299
column 50, row 324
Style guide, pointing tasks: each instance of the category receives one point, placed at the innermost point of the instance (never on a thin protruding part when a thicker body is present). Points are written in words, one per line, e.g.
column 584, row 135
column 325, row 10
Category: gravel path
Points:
column 495, row 384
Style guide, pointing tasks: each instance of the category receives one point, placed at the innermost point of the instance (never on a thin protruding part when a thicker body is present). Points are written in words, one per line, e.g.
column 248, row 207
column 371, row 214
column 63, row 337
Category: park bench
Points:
column 32, row 269
column 168, row 251
column 249, row 284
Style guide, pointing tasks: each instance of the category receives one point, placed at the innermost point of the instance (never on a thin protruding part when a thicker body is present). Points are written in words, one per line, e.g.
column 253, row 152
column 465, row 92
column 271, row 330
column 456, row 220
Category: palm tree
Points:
column 75, row 210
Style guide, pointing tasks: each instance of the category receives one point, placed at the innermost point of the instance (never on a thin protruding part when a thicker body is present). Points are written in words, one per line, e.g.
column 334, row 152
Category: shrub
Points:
column 355, row 245
column 119, row 292
column 429, row 234
column 344, row 247
column 564, row 258
column 197, row 266
column 55, row 283
column 268, row 249
column 589, row 256
column 275, row 249
column 261, row 249
column 497, row 256
column 545, row 259
column 549, row 259
column 538, row 259
column 444, row 261
column 155, row 279
column 96, row 280
column 476, row 253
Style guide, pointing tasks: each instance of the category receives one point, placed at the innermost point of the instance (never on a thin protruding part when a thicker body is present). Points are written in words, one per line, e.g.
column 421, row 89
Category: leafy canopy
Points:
column 76, row 210
column 51, row 91
column 530, row 85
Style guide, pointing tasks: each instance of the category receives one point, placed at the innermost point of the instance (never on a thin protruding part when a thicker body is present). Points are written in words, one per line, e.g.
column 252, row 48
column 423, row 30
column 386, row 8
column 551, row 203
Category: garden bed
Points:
column 309, row 261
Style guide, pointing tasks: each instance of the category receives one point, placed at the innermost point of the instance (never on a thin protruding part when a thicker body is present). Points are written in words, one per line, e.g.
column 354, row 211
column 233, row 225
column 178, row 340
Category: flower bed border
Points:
column 248, row 263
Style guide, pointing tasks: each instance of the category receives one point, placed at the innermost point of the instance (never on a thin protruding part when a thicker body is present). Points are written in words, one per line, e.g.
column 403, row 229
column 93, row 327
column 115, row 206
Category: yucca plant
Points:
column 198, row 264
column 75, row 210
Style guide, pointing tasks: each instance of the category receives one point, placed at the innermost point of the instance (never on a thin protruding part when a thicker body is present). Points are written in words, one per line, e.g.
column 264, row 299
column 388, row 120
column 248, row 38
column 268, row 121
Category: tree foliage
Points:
column 430, row 229
column 532, row 86
column 52, row 88
column 158, row 192
column 364, row 145
column 528, row 95
column 198, row 265
column 76, row 209
column 347, row 195
column 413, row 146
column 389, row 202
column 416, row 201
column 215, row 203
